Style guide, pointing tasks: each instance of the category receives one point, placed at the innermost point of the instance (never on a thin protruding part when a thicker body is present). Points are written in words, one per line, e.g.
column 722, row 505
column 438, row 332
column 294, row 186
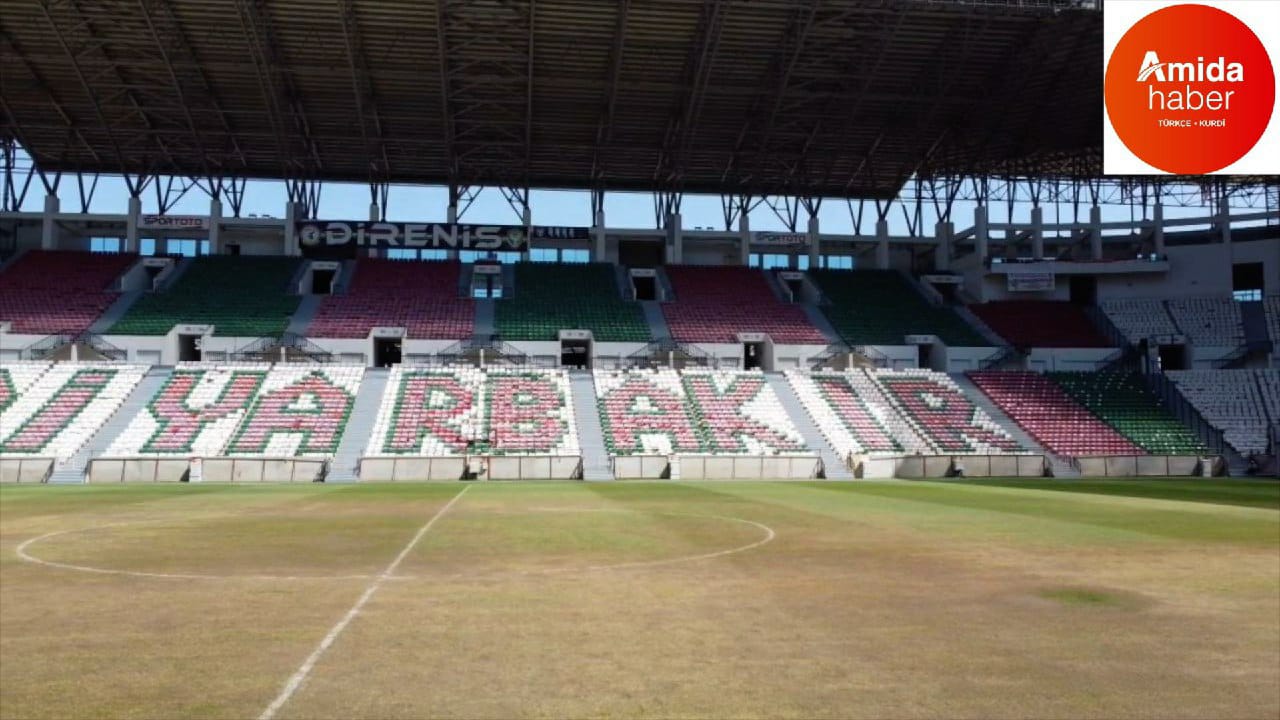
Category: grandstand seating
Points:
column 57, row 292
column 894, row 412
column 713, row 304
column 15, row 378
column 1271, row 306
column 550, row 298
column 879, row 307
column 241, row 296
column 1123, row 401
column 1051, row 416
column 720, row 412
column 440, row 412
column 63, row 407
column 1041, row 324
column 421, row 297
column 299, row 411
column 1240, row 403
column 1140, row 319
column 1209, row 322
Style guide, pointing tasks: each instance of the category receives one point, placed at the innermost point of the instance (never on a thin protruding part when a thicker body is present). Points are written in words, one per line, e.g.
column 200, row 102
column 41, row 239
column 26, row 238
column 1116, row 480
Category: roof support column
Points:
column 1224, row 216
column 1157, row 227
column 1095, row 232
column 598, row 245
column 215, row 226
column 291, row 247
column 374, row 212
column 980, row 232
column 882, row 244
column 526, row 218
column 744, row 240
column 814, row 241
column 131, row 224
column 675, row 239
column 943, row 231
column 49, row 228
column 1037, row 232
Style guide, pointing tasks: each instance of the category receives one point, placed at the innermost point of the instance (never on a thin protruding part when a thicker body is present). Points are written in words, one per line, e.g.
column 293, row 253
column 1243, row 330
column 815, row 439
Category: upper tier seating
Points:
column 1236, row 402
column 1041, row 323
column 551, row 298
column 713, row 304
column 421, row 297
column 241, row 296
column 1123, row 401
column 879, row 307
column 1271, row 306
column 244, row 409
column 1139, row 319
column 65, row 407
column 459, row 411
column 1051, row 416
column 892, row 412
column 57, row 292
column 1209, row 322
column 718, row 412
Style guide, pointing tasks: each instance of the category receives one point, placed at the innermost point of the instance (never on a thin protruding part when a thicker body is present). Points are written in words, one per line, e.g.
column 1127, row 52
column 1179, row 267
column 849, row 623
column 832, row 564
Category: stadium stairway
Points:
column 657, row 322
column 595, row 460
column 73, row 471
column 180, row 269
column 982, row 328
column 820, row 321
column 833, row 467
column 1060, row 467
column 115, row 312
column 359, row 426
column 348, row 274
column 485, row 310
column 305, row 313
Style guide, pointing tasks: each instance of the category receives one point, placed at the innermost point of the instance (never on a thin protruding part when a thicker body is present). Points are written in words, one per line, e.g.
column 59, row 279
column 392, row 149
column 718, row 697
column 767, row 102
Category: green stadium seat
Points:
column 1123, row 401
column 879, row 307
column 551, row 298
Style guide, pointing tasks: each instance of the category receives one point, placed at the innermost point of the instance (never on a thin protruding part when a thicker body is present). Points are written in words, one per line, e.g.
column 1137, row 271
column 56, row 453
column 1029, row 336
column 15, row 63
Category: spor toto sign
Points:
column 1189, row 89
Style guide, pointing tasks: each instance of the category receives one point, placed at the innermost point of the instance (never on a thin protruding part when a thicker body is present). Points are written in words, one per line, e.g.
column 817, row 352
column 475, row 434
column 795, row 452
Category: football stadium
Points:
column 620, row 358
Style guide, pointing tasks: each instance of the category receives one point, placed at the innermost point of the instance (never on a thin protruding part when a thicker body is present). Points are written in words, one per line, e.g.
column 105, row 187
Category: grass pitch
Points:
column 991, row 599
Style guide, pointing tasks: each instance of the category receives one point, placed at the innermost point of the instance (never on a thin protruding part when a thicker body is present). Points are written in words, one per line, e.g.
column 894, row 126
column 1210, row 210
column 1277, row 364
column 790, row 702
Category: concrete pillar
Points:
column 744, row 240
column 526, row 218
column 131, row 225
column 599, row 248
column 48, row 228
column 882, row 244
column 1095, row 232
column 943, row 231
column 815, row 241
column 451, row 217
column 980, row 239
column 373, row 212
column 215, row 227
column 675, row 233
column 1157, row 228
column 291, row 246
column 1224, row 219
column 1037, row 232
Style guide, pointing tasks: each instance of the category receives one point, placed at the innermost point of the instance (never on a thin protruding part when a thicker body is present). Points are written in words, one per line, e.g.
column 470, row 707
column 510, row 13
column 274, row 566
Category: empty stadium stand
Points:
column 1139, row 318
column 63, row 407
column 1271, row 306
column 1243, row 404
column 714, row 304
column 241, row 296
column 718, row 412
column 459, row 411
column 1041, row 324
column 1213, row 322
column 421, row 297
column 1124, row 402
column 880, row 307
column 550, row 298
column 1051, row 416
column 59, row 292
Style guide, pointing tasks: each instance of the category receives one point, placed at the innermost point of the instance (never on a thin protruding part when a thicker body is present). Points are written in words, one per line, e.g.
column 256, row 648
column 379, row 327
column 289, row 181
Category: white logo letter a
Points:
column 1151, row 65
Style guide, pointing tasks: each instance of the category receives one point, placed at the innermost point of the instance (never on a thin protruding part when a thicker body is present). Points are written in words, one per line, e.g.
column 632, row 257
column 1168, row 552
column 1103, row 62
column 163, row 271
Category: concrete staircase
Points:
column 484, row 322
column 116, row 312
column 1060, row 466
column 73, row 471
column 834, row 467
column 179, row 269
column 345, row 277
column 654, row 317
column 595, row 459
column 820, row 321
column 359, row 426
column 306, row 312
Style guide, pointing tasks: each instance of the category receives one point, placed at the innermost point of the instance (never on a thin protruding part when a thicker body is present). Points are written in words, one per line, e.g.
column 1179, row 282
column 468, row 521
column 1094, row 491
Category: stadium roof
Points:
column 840, row 98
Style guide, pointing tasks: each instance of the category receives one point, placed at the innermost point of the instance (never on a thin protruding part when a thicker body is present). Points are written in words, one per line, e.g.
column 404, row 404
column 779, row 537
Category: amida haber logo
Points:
column 1189, row 89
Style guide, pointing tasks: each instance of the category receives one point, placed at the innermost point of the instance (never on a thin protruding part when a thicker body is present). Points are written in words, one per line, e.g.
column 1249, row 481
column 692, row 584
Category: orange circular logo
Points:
column 1189, row 89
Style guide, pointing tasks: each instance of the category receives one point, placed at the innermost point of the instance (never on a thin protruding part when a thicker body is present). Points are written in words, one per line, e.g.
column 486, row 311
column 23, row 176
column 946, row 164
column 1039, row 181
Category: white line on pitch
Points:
column 296, row 680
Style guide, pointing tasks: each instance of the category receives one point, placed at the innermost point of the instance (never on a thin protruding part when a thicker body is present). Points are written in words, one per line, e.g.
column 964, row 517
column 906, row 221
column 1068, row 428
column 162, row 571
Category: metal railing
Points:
column 288, row 347
column 665, row 351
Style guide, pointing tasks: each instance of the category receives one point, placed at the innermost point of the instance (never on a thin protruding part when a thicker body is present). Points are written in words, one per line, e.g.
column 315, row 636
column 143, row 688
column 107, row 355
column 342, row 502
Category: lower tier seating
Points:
column 1240, row 403
column 64, row 407
column 1051, row 416
column 1139, row 319
column 252, row 410
column 894, row 412
column 1041, row 324
column 16, row 377
column 879, row 307
column 1123, row 401
column 421, row 297
column 551, row 298
column 49, row 292
column 241, row 296
column 714, row 304
column 662, row 412
column 441, row 412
